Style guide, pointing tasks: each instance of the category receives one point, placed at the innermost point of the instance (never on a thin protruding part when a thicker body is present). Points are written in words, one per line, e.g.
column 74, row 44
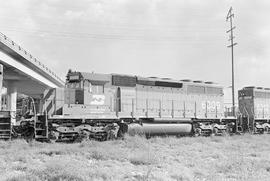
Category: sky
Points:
column 179, row 39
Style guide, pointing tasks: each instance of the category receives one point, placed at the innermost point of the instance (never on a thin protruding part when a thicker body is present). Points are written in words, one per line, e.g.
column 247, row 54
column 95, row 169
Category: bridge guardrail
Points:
column 17, row 48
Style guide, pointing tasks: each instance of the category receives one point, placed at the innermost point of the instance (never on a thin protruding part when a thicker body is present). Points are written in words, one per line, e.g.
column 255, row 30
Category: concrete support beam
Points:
column 1, row 85
column 7, row 60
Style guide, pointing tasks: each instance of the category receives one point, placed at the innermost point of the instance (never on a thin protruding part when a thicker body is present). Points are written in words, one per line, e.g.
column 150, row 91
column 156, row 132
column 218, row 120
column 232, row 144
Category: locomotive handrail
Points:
column 35, row 114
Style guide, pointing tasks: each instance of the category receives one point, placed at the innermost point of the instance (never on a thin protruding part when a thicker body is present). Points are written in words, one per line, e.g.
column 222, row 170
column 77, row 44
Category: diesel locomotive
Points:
column 107, row 106
column 254, row 107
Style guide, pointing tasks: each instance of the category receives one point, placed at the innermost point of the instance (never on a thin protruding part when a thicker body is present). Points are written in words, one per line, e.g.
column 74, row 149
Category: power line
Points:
column 80, row 24
column 126, row 36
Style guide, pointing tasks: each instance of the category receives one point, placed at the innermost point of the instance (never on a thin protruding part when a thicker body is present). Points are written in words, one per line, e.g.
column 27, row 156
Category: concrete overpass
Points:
column 23, row 73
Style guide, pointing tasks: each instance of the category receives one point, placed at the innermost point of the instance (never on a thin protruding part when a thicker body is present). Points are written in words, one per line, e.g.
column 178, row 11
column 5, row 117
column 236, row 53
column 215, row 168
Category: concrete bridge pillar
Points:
column 12, row 101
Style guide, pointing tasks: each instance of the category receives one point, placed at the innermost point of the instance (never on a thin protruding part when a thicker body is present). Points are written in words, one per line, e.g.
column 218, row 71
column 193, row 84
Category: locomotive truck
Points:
column 106, row 106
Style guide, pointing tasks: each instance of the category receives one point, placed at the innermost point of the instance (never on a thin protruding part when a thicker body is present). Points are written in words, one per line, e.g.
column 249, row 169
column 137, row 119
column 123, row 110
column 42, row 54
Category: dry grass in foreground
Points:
column 244, row 157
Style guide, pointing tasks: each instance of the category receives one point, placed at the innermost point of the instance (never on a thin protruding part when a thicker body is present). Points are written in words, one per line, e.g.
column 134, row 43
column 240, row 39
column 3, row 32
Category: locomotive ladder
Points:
column 5, row 125
column 41, row 127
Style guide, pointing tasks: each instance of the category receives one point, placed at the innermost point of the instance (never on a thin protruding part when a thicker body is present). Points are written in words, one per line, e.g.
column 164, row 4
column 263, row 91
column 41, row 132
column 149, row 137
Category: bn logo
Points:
column 97, row 100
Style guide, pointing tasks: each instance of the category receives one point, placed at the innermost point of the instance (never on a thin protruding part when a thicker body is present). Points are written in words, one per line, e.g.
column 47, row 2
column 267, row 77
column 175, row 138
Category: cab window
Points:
column 75, row 85
column 86, row 85
column 97, row 89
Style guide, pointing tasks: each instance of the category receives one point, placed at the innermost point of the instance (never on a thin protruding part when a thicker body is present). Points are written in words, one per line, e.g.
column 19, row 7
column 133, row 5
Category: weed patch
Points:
column 243, row 157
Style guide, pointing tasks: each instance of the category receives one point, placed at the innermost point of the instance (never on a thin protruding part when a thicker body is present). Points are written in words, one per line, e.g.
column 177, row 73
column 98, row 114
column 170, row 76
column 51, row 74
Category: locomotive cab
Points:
column 85, row 94
column 83, row 108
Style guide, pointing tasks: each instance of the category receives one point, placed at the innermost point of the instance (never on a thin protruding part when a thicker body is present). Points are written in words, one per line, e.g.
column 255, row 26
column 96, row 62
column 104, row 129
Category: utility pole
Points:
column 229, row 18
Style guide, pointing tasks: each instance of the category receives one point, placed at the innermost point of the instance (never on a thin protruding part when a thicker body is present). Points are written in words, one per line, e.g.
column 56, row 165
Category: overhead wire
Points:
column 118, row 31
column 131, row 27
column 81, row 35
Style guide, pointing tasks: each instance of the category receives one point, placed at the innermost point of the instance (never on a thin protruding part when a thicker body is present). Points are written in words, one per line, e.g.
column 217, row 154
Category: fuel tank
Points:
column 151, row 129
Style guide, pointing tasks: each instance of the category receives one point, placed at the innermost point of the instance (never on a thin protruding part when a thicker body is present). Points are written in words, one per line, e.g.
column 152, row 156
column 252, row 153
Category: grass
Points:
column 245, row 157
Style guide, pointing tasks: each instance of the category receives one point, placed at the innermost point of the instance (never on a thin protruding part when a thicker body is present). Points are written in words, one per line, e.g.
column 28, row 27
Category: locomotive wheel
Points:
column 122, row 130
column 29, row 135
column 210, row 133
column 266, row 130
column 225, row 132
column 229, row 130
column 215, row 131
column 255, row 130
column 197, row 132
column 103, row 138
column 84, row 135
column 148, row 136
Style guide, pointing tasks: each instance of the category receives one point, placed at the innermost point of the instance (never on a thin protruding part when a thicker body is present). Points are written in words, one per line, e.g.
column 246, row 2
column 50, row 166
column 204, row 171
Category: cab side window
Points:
column 87, row 86
column 74, row 85
column 93, row 88
column 97, row 89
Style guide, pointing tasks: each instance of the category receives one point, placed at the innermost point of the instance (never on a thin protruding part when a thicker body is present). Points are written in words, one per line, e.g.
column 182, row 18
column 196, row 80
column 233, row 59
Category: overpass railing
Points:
column 18, row 49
